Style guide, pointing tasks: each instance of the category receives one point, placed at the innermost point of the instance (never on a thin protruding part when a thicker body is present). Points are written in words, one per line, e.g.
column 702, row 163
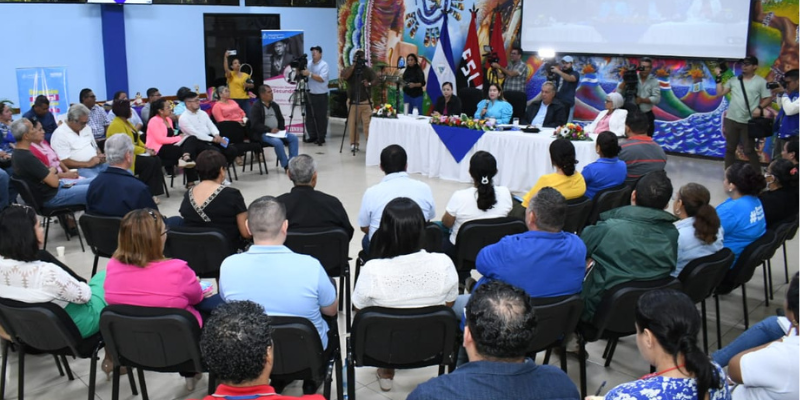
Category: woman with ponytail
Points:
column 566, row 179
column 699, row 227
column 482, row 201
column 667, row 325
column 780, row 198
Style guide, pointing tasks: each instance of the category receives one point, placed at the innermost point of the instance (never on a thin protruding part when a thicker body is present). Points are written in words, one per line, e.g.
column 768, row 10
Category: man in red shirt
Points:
column 237, row 346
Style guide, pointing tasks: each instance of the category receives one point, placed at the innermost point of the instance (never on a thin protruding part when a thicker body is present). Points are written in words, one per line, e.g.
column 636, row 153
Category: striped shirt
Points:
column 642, row 155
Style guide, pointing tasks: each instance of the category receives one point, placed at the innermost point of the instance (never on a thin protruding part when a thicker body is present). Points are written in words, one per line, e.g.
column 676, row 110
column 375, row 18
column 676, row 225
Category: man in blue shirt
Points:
column 500, row 326
column 786, row 123
column 41, row 112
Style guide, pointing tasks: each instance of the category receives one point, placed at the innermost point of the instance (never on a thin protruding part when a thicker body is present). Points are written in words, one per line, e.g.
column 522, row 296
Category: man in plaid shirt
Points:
column 516, row 72
column 98, row 118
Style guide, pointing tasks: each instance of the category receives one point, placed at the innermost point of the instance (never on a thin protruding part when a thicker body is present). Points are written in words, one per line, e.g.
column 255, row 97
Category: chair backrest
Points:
column 42, row 326
column 577, row 213
column 152, row 338
column 297, row 347
column 433, row 238
column 330, row 247
column 470, row 97
column 749, row 259
column 477, row 234
column 786, row 229
column 702, row 275
column 518, row 101
column 555, row 318
column 404, row 338
column 101, row 233
column 204, row 250
column 616, row 311
column 26, row 194
column 609, row 199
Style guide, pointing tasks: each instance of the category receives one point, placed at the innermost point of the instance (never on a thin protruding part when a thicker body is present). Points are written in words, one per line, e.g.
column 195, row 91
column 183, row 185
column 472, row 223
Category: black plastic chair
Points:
column 556, row 317
column 699, row 279
column 477, row 234
column 47, row 212
column 101, row 236
column 203, row 249
column 518, row 102
column 790, row 230
column 609, row 199
column 577, row 213
column 753, row 256
column 298, row 353
column 470, row 97
column 614, row 318
column 151, row 338
column 433, row 238
column 330, row 247
column 401, row 339
column 46, row 328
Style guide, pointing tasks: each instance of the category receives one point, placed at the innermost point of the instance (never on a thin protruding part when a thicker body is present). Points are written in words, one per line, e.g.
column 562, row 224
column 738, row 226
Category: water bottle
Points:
column 344, row 380
column 415, row 112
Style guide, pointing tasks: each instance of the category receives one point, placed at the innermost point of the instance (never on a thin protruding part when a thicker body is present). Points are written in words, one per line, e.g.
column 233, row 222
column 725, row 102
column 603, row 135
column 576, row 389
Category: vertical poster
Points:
column 280, row 49
column 48, row 81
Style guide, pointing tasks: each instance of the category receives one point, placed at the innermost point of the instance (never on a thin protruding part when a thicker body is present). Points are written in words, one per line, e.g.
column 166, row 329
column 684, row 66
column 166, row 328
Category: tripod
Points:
column 300, row 97
column 359, row 71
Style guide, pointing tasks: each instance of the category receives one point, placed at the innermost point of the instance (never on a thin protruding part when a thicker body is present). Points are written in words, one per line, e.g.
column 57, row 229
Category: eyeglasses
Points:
column 192, row 101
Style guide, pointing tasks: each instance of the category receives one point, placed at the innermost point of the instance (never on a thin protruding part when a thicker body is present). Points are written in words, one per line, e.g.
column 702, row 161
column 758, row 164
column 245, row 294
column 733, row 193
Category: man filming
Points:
column 516, row 72
column 648, row 92
column 317, row 105
column 786, row 123
column 359, row 77
column 567, row 84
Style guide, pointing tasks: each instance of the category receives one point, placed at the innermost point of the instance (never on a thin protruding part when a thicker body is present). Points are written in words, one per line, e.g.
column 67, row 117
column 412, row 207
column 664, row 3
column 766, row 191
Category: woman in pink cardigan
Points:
column 171, row 148
column 226, row 109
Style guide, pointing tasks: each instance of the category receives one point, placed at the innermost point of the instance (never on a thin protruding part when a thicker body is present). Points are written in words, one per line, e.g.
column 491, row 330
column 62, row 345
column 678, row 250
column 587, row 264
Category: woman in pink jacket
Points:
column 172, row 148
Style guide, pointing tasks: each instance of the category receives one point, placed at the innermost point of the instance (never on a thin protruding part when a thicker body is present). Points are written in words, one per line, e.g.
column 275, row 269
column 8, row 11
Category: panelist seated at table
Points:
column 611, row 119
column 549, row 112
column 447, row 104
column 495, row 106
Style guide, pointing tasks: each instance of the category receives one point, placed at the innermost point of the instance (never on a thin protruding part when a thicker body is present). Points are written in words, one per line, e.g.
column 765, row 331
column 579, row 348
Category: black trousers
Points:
column 170, row 154
column 230, row 152
column 317, row 117
column 652, row 119
column 148, row 169
column 232, row 130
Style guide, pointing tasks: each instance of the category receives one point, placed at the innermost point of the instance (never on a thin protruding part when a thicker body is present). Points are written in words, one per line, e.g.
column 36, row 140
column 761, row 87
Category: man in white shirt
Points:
column 75, row 144
column 197, row 123
column 396, row 183
column 317, row 105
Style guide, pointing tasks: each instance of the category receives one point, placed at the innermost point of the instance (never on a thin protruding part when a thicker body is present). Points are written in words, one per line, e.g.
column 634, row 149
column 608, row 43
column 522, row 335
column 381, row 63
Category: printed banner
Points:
column 48, row 81
column 280, row 48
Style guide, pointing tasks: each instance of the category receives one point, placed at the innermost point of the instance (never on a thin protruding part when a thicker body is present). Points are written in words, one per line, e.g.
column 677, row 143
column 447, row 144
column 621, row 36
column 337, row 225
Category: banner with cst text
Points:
column 48, row 81
column 280, row 48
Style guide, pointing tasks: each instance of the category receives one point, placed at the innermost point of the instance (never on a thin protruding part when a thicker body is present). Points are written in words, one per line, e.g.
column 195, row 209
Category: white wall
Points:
column 164, row 43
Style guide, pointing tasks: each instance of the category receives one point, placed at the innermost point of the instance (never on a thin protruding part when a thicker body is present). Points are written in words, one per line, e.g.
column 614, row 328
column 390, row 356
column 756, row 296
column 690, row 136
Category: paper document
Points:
column 279, row 135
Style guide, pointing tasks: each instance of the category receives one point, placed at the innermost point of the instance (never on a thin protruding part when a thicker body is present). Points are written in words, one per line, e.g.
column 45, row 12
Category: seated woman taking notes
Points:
column 495, row 106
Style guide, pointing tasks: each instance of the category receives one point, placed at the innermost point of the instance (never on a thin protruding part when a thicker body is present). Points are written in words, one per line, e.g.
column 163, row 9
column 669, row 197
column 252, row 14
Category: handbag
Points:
column 758, row 127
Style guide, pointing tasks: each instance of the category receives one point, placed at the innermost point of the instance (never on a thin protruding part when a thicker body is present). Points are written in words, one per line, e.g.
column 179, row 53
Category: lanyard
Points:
column 655, row 374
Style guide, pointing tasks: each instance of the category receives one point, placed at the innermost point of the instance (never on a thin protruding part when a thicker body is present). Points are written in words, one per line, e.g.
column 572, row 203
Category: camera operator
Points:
column 648, row 92
column 317, row 105
column 786, row 123
column 735, row 122
column 360, row 78
column 516, row 72
column 567, row 84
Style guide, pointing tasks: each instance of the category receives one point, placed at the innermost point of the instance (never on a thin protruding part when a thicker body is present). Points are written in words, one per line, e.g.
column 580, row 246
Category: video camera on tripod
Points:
column 491, row 56
column 631, row 78
column 300, row 63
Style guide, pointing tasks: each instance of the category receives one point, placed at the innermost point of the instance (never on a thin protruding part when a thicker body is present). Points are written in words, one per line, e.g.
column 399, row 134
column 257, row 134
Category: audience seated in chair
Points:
column 608, row 171
column 667, row 325
column 400, row 273
column 550, row 112
column 307, row 208
column 396, row 183
column 500, row 324
column 40, row 111
column 266, row 118
column 152, row 95
column 197, row 123
column 742, row 215
column 566, row 179
column 699, row 229
column 134, row 119
column 98, row 120
column 790, row 150
column 238, row 348
column 641, row 154
column 636, row 242
column 780, row 200
column 145, row 165
column 180, row 150
column 75, row 144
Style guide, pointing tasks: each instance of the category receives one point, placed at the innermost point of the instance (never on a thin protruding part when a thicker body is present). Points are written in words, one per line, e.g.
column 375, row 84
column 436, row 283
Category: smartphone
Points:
column 67, row 185
column 231, row 52
column 206, row 286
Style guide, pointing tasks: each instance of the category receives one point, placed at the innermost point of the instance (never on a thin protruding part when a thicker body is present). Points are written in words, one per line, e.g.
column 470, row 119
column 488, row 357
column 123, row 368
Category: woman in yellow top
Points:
column 145, row 163
column 238, row 83
column 566, row 180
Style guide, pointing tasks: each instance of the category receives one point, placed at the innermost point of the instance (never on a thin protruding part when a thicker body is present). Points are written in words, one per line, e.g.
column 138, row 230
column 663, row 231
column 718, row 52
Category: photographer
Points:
column 567, row 84
column 786, row 123
column 648, row 92
column 516, row 73
column 360, row 78
column 238, row 82
column 317, row 105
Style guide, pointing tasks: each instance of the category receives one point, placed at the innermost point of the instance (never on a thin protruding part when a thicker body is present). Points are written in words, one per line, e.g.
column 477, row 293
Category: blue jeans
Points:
column 761, row 333
column 278, row 144
column 92, row 172
column 4, row 188
column 413, row 102
column 75, row 195
column 244, row 104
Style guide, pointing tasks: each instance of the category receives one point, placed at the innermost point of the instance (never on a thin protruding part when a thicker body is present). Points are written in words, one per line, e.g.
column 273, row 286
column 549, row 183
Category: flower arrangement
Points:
column 463, row 121
column 385, row 111
column 571, row 131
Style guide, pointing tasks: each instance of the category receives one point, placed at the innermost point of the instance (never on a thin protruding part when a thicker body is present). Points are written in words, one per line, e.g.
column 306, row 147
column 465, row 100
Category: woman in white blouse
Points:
column 699, row 229
column 400, row 274
column 612, row 118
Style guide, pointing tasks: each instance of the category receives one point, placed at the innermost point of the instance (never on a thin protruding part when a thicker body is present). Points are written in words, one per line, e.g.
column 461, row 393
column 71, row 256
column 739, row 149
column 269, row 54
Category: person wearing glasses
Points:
column 648, row 92
column 98, row 119
column 75, row 144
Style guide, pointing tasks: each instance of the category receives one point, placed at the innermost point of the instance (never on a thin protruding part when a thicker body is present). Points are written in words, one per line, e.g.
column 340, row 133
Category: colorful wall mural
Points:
column 689, row 117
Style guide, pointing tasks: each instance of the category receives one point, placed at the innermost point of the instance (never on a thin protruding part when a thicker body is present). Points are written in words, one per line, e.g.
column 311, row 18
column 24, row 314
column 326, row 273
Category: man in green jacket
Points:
column 637, row 242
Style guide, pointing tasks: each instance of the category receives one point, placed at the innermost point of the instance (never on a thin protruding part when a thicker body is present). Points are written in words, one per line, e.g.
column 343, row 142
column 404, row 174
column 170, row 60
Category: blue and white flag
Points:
column 442, row 66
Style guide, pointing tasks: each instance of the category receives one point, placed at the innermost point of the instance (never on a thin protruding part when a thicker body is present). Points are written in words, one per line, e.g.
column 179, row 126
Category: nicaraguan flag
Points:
column 441, row 66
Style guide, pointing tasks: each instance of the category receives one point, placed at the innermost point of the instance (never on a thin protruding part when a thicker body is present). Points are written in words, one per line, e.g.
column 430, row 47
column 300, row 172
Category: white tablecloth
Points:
column 521, row 157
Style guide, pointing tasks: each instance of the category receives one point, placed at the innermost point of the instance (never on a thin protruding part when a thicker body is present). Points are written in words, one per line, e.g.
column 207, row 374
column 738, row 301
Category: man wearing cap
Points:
column 317, row 105
column 735, row 122
column 648, row 92
column 516, row 72
column 567, row 84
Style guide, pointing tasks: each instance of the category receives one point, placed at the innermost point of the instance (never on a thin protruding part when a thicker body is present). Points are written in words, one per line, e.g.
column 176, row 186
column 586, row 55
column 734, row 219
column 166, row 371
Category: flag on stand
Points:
column 497, row 43
column 470, row 70
column 441, row 66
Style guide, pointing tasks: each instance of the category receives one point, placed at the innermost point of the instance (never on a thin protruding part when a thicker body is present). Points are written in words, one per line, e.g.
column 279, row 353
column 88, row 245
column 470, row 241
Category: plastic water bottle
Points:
column 344, row 380
column 415, row 112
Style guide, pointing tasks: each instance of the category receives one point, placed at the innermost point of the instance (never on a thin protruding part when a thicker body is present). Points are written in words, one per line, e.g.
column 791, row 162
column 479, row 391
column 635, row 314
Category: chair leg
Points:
column 766, row 287
column 132, row 382
column 582, row 363
column 351, row 372
column 58, row 365
column 115, row 383
column 744, row 307
column 605, row 351
column 705, row 325
column 563, row 359
column 348, row 300
column 785, row 263
column 93, row 373
column 546, row 356
column 67, row 368
column 164, row 183
column 611, row 351
column 719, row 324
column 94, row 265
column 21, row 373
column 212, row 384
column 769, row 271
column 47, row 232
column 142, row 384
column 4, row 368
column 337, row 365
column 341, row 292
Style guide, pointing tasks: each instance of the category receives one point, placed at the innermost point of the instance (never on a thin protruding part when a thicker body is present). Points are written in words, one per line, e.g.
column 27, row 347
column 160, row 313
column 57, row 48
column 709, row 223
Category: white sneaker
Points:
column 191, row 381
column 384, row 383
column 352, row 147
column 186, row 164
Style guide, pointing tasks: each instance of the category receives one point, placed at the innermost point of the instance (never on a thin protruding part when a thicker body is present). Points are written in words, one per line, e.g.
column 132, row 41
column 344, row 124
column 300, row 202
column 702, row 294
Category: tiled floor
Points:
column 346, row 177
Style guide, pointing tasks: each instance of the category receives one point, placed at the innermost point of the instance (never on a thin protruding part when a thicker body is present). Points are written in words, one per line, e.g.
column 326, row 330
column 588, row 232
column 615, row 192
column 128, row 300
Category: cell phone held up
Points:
column 231, row 52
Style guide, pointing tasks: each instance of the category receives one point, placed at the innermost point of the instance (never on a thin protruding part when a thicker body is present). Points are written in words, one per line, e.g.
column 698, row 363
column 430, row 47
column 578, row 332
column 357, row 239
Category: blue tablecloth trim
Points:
column 457, row 140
